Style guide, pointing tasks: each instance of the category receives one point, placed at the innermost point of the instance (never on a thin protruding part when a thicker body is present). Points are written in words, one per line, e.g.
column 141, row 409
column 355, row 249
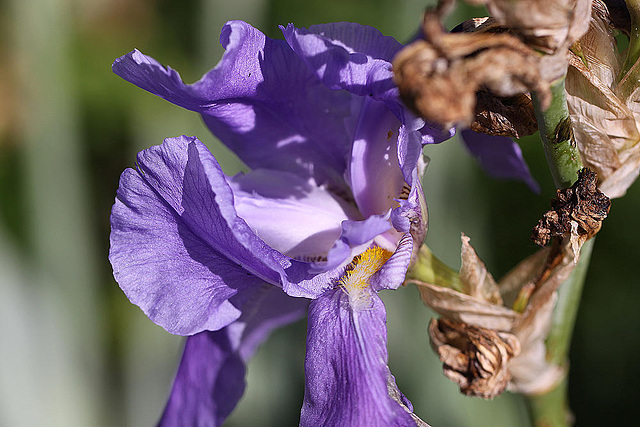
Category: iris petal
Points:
column 262, row 102
column 346, row 365
column 177, row 248
column 211, row 377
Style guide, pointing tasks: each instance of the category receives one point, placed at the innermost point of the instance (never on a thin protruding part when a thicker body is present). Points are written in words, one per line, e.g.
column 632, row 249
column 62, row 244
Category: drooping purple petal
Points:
column 261, row 101
column 500, row 157
column 346, row 365
column 291, row 214
column 178, row 249
column 209, row 383
column 211, row 377
column 348, row 56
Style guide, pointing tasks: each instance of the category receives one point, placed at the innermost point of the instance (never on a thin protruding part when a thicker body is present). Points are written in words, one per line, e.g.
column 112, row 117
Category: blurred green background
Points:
column 75, row 352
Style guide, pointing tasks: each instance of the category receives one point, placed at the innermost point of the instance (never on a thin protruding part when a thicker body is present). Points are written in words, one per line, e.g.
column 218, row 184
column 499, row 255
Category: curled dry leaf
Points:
column 475, row 358
column 439, row 77
column 604, row 106
column 577, row 211
column 533, row 283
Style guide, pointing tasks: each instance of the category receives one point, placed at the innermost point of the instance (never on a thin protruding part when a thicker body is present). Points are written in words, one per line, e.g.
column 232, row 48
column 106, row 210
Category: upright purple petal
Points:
column 500, row 157
column 348, row 56
column 346, row 365
column 211, row 377
column 178, row 249
column 261, row 101
column 375, row 175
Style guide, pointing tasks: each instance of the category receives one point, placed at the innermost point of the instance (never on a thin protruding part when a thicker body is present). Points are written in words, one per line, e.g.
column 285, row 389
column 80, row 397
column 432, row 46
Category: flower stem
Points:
column 551, row 408
column 557, row 138
column 629, row 74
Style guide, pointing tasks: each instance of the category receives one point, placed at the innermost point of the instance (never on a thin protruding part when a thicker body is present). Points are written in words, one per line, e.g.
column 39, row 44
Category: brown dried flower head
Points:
column 440, row 76
column 517, row 311
column 473, row 357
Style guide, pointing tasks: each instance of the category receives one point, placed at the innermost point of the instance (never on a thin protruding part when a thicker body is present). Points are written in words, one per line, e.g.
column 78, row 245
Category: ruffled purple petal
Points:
column 346, row 365
column 211, row 377
column 348, row 56
column 178, row 249
column 500, row 157
column 261, row 101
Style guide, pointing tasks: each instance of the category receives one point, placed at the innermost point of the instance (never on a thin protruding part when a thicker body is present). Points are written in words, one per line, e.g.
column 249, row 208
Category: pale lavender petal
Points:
column 500, row 157
column 348, row 56
column 211, row 377
column 261, row 101
column 178, row 249
column 291, row 214
column 346, row 365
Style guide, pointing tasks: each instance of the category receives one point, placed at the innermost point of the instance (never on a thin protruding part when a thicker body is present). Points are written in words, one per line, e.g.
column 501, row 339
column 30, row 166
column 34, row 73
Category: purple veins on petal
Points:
column 347, row 377
column 178, row 249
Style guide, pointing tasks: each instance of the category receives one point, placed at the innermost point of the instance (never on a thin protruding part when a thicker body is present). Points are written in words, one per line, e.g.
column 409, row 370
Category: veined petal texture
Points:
column 178, row 249
column 346, row 365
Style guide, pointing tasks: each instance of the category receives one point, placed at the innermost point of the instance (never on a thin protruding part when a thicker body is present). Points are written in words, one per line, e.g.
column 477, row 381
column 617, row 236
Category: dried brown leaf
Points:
column 605, row 119
column 512, row 116
column 577, row 212
column 541, row 274
column 548, row 25
column 475, row 276
column 464, row 308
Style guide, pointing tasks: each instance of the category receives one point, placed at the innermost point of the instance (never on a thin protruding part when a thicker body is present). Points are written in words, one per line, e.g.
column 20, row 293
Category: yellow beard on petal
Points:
column 356, row 278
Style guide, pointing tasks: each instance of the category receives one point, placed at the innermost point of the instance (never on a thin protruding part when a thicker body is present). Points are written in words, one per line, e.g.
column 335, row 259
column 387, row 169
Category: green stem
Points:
column 551, row 409
column 630, row 71
column 557, row 137
column 564, row 314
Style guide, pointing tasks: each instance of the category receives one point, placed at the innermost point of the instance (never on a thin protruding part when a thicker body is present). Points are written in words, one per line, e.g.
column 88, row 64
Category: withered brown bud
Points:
column 475, row 358
column 439, row 77
column 582, row 203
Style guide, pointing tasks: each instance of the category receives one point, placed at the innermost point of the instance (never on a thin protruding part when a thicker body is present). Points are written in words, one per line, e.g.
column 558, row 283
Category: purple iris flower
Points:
column 328, row 216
